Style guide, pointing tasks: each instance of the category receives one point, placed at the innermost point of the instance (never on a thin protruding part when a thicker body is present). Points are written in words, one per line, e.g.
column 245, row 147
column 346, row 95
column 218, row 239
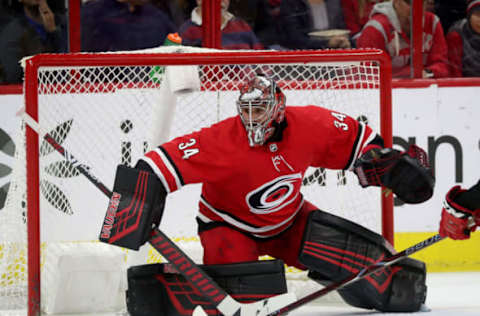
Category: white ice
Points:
column 448, row 294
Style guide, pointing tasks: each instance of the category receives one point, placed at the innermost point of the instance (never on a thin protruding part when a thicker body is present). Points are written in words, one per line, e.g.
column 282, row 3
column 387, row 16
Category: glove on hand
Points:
column 457, row 221
column 406, row 173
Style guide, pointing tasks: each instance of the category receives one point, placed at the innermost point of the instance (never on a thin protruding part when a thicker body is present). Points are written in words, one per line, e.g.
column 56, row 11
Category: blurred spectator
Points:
column 175, row 9
column 246, row 9
column 5, row 18
column 34, row 30
column 429, row 5
column 464, row 43
column 265, row 24
column 236, row 33
column 298, row 18
column 326, row 14
column 450, row 11
column 389, row 29
column 356, row 13
column 116, row 25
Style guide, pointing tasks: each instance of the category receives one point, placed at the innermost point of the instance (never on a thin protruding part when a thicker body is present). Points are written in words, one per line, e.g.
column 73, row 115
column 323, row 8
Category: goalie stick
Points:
column 281, row 304
column 179, row 259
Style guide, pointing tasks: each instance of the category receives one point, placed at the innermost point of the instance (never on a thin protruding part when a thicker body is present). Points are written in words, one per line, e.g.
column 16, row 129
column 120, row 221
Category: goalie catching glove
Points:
column 460, row 213
column 135, row 208
column 406, row 173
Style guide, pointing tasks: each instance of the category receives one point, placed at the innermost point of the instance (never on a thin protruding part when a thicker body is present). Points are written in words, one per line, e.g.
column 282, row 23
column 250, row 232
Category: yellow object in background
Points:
column 445, row 256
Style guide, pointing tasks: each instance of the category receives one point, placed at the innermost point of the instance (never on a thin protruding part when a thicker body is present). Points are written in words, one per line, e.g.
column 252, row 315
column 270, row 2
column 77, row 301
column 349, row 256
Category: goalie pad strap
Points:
column 334, row 248
column 135, row 208
column 158, row 289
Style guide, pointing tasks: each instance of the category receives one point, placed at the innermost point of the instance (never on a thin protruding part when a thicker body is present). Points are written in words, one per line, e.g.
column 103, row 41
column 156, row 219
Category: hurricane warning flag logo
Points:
column 274, row 195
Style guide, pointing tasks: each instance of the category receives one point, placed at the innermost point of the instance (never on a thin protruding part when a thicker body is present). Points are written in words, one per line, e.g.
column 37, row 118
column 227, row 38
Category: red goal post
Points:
column 77, row 96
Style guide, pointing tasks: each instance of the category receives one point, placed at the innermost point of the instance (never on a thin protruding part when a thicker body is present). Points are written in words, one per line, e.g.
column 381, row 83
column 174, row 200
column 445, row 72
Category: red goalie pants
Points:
column 224, row 244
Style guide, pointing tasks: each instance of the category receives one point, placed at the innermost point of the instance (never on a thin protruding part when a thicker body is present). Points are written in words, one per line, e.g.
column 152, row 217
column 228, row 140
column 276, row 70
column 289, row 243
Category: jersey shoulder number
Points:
column 188, row 148
column 339, row 121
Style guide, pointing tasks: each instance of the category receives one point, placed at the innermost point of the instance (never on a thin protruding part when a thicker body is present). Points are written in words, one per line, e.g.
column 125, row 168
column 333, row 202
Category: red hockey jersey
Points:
column 257, row 189
column 383, row 31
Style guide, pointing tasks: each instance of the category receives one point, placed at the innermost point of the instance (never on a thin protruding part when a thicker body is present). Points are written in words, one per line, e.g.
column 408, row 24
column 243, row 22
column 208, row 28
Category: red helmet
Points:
column 260, row 104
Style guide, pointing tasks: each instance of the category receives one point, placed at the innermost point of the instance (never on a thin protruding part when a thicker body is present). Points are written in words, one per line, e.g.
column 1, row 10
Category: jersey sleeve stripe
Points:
column 171, row 166
column 163, row 169
column 356, row 146
column 363, row 143
column 165, row 166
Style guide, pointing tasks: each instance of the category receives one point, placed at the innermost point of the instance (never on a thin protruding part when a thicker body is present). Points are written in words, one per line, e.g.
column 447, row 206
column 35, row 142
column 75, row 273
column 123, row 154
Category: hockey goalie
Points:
column 251, row 167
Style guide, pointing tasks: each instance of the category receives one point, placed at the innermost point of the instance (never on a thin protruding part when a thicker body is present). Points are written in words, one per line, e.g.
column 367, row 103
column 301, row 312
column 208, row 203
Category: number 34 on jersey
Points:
column 188, row 148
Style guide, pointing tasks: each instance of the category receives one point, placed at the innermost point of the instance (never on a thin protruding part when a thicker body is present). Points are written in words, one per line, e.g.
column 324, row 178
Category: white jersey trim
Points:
column 361, row 144
column 169, row 166
column 159, row 174
column 203, row 218
column 254, row 230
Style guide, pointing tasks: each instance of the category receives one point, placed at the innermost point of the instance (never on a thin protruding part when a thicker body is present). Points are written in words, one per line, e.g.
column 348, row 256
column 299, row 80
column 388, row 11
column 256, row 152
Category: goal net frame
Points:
column 32, row 66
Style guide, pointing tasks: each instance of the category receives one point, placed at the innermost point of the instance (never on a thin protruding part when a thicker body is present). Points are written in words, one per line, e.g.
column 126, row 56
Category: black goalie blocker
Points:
column 135, row 208
column 407, row 173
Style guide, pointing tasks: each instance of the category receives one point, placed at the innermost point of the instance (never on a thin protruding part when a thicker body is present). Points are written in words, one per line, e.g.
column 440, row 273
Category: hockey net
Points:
column 107, row 109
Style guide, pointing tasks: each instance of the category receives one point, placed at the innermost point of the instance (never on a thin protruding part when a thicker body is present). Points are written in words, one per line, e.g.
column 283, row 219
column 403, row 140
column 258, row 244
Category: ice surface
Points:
column 449, row 294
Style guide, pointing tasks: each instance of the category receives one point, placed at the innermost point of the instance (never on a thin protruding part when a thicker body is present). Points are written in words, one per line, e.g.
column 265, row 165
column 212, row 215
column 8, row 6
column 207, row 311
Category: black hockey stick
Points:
column 359, row 275
column 201, row 281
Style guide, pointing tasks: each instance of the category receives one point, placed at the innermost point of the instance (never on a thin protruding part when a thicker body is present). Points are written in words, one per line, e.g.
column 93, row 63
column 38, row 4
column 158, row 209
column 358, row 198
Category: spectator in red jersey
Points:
column 36, row 29
column 464, row 43
column 236, row 33
column 389, row 29
column 356, row 13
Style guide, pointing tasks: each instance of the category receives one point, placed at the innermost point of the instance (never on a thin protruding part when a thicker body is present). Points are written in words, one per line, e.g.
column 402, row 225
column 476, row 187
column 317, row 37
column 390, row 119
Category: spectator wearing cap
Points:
column 463, row 41
column 389, row 29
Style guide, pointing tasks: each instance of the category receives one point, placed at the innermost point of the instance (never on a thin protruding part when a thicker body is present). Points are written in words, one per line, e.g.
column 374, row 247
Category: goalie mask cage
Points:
column 109, row 108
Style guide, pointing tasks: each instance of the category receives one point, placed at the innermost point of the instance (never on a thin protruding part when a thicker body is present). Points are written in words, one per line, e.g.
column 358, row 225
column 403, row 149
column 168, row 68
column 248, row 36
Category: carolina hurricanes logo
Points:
column 274, row 195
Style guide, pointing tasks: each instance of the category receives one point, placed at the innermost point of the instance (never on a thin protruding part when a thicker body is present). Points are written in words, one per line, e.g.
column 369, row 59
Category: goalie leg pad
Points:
column 135, row 208
column 158, row 289
column 334, row 248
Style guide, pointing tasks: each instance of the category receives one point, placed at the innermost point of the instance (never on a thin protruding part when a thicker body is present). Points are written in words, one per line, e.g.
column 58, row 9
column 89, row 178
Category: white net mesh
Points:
column 106, row 115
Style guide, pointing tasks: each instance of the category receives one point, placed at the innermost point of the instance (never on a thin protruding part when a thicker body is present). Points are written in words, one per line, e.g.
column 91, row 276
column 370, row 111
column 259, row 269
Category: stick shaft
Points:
column 164, row 245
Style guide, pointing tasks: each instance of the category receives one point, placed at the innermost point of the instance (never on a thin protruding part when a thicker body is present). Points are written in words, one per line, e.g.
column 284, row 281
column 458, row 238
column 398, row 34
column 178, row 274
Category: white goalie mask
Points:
column 260, row 104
